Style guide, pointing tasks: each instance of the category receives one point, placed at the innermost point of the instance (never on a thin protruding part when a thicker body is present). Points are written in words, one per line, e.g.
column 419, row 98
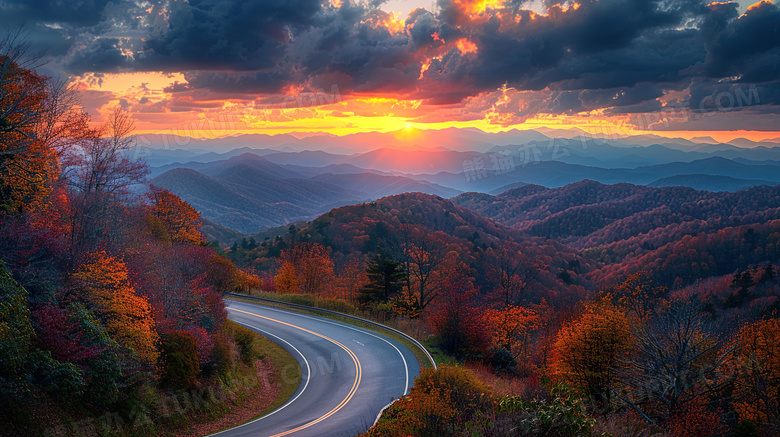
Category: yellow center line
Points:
column 355, row 385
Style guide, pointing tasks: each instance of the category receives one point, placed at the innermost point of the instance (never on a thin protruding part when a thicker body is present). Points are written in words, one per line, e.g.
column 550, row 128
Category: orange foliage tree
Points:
column 27, row 165
column 442, row 402
column 350, row 279
column 587, row 349
column 286, row 279
column 758, row 380
column 306, row 268
column 178, row 219
column 102, row 283
column 511, row 326
column 696, row 420
column 224, row 276
column 639, row 295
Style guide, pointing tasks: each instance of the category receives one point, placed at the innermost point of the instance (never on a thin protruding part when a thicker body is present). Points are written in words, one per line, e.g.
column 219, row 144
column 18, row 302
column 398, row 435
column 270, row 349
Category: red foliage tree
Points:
column 456, row 317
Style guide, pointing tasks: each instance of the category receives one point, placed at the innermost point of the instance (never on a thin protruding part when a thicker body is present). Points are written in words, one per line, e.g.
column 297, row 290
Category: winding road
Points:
column 349, row 374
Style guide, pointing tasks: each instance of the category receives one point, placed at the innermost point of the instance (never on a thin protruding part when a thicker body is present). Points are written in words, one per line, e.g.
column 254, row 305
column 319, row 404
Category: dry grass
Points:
column 626, row 423
column 507, row 385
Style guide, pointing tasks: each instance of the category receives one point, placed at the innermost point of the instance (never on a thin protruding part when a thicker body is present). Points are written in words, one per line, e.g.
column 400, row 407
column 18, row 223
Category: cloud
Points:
column 81, row 12
column 748, row 46
column 621, row 56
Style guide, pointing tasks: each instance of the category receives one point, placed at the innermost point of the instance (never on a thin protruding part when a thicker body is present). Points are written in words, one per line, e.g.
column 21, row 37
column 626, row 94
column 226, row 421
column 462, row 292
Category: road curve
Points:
column 349, row 373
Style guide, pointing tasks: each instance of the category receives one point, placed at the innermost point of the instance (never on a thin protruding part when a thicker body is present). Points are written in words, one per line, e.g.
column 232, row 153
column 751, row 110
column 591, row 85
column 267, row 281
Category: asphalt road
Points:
column 349, row 374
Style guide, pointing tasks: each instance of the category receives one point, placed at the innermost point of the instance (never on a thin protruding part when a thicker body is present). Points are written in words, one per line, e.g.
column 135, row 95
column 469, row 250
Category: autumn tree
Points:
column 180, row 359
column 456, row 318
column 758, row 373
column 16, row 335
column 639, row 295
column 180, row 281
column 510, row 271
column 28, row 166
column 511, row 327
column 423, row 256
column 22, row 92
column 386, row 278
column 447, row 401
column 311, row 266
column 101, row 171
column 177, row 220
column 676, row 360
column 102, row 283
column 350, row 278
column 89, row 363
column 224, row 276
column 589, row 349
column 286, row 279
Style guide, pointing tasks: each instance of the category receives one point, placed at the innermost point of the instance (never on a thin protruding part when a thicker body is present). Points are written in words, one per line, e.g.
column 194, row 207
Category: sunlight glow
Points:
column 156, row 109
column 466, row 46
column 758, row 4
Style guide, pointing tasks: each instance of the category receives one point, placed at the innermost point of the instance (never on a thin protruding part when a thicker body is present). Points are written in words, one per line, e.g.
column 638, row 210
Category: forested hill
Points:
column 679, row 233
column 454, row 234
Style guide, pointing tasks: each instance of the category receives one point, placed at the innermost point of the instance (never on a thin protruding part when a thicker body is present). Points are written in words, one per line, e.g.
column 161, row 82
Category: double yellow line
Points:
column 355, row 385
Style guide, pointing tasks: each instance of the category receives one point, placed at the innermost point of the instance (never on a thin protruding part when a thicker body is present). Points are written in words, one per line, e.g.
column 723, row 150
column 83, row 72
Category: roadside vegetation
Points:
column 111, row 314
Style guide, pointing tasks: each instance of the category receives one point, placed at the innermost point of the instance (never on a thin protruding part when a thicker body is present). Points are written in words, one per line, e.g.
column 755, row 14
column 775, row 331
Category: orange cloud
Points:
column 478, row 7
column 389, row 20
column 759, row 4
column 466, row 46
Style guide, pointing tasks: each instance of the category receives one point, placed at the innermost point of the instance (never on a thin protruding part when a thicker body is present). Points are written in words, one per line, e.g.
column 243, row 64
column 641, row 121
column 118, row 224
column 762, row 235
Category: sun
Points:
column 408, row 125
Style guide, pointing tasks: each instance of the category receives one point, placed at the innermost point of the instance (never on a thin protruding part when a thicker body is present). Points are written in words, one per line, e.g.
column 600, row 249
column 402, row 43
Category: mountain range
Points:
column 252, row 182
column 678, row 233
column 248, row 193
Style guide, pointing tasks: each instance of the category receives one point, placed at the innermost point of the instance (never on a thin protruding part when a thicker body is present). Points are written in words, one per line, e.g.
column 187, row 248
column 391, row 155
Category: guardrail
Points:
column 336, row 313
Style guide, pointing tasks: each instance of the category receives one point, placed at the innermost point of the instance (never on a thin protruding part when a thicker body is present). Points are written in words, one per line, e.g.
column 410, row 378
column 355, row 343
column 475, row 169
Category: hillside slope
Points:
column 553, row 270
column 629, row 227
column 249, row 193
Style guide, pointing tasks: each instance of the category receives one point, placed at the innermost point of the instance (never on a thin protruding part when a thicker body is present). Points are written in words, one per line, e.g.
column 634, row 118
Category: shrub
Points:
column 338, row 305
column 301, row 299
column 245, row 339
column 180, row 359
column 15, row 335
column 64, row 381
column 562, row 415
column 502, row 361
column 446, row 401
column 78, row 357
column 223, row 356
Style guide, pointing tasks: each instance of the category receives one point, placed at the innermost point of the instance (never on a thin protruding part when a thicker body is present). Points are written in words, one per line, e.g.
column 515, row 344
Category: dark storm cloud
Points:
column 48, row 24
column 103, row 55
column 748, row 47
column 244, row 82
column 709, row 95
column 227, row 35
column 620, row 96
column 618, row 54
column 354, row 49
column 77, row 12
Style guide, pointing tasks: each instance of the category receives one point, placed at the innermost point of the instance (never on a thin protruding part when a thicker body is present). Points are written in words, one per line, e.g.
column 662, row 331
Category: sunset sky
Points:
column 219, row 67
